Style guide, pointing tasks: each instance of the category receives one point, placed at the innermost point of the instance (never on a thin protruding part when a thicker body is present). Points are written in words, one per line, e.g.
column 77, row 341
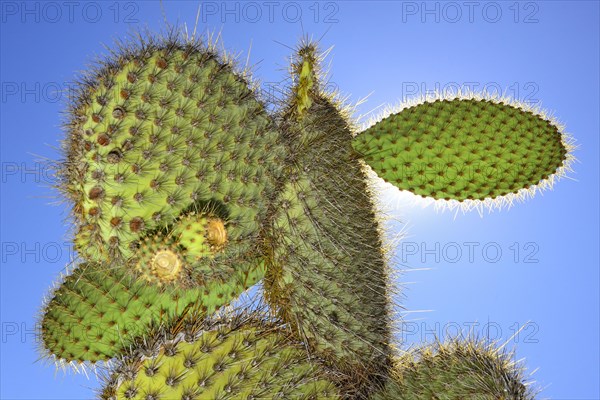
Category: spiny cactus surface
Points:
column 98, row 310
column 164, row 124
column 327, row 275
column 455, row 371
column 228, row 360
column 464, row 149
column 171, row 165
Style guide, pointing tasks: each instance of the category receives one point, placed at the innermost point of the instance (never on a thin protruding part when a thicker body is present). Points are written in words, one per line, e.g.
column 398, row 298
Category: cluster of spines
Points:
column 235, row 357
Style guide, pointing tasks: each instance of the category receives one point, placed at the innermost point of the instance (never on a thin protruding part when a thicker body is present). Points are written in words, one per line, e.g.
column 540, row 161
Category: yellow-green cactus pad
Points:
column 465, row 149
column 99, row 308
column 163, row 124
column 230, row 360
column 456, row 371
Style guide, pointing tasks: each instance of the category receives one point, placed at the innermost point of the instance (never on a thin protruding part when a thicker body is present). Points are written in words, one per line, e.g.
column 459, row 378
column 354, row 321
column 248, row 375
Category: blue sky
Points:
column 534, row 266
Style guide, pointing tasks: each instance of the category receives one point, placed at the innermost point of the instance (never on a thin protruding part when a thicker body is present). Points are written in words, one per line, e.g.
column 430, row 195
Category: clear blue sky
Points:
column 547, row 272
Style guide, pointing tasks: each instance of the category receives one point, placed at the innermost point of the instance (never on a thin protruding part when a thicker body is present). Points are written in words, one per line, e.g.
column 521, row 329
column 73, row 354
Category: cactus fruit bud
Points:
column 166, row 264
column 180, row 252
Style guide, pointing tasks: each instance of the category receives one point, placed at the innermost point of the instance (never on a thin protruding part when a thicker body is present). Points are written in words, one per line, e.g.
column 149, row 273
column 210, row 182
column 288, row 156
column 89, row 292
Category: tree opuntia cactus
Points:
column 186, row 191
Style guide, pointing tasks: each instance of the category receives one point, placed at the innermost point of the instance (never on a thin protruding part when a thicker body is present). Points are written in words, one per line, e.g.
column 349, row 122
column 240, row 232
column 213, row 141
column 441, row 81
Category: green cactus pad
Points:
column 230, row 360
column 464, row 149
column 326, row 274
column 456, row 371
column 98, row 309
column 161, row 125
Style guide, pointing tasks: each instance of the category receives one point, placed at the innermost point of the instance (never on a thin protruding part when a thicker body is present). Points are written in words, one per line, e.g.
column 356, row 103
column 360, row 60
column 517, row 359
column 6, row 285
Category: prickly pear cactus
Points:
column 186, row 192
column 171, row 164
column 162, row 125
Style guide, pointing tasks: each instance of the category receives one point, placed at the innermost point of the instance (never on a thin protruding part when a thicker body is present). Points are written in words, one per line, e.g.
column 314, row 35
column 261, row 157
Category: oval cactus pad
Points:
column 464, row 149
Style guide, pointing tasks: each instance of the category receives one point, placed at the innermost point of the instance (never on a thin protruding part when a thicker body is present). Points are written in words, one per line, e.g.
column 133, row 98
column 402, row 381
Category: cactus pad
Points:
column 455, row 371
column 464, row 149
column 230, row 360
column 164, row 124
column 98, row 309
column 327, row 274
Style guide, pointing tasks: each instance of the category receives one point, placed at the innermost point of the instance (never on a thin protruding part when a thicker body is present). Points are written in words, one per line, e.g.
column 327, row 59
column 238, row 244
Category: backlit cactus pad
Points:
column 186, row 192
column 467, row 148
